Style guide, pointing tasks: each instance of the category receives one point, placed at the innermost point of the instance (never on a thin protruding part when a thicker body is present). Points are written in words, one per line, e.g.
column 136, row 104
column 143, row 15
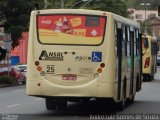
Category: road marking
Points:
column 3, row 94
column 38, row 98
column 18, row 90
column 12, row 105
column 145, row 83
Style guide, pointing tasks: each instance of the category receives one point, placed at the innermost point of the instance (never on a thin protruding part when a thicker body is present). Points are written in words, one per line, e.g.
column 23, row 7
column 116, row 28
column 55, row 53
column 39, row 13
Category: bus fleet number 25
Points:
column 50, row 69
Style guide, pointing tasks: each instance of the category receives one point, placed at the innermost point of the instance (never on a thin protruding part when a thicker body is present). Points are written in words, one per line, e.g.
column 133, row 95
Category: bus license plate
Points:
column 69, row 77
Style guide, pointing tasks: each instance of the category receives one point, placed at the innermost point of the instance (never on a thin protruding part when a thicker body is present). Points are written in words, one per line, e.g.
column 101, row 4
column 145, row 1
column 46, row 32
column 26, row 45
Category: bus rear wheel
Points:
column 61, row 104
column 50, row 104
column 121, row 105
column 55, row 104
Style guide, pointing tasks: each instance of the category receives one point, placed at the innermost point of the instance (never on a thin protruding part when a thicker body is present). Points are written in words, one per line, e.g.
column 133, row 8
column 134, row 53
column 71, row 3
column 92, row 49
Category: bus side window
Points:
column 126, row 40
column 137, row 42
column 115, row 34
column 119, row 39
column 145, row 43
column 152, row 48
column 123, row 41
column 128, row 43
column 132, row 40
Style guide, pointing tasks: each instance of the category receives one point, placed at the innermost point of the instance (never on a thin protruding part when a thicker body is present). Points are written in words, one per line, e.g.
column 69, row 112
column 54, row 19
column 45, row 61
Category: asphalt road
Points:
column 14, row 103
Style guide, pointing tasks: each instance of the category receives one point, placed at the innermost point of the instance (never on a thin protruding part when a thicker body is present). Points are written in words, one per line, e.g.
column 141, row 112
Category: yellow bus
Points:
column 149, row 53
column 77, row 55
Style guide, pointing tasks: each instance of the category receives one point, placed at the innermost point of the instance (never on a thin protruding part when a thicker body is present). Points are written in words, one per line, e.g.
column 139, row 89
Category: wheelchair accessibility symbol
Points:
column 96, row 56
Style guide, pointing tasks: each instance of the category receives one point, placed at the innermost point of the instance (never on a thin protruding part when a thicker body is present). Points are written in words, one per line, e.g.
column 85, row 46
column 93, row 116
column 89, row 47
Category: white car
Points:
column 23, row 69
column 158, row 58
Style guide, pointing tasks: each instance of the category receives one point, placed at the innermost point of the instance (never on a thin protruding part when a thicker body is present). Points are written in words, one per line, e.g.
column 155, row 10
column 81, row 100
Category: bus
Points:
column 149, row 57
column 80, row 55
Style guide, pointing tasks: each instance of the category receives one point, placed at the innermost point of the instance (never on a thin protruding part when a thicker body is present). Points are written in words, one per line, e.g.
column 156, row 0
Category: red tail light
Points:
column 147, row 61
column 39, row 68
column 99, row 70
column 36, row 63
column 102, row 65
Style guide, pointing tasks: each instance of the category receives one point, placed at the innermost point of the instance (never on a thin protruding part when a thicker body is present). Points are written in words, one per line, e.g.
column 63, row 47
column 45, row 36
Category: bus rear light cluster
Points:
column 147, row 61
column 100, row 69
column 39, row 68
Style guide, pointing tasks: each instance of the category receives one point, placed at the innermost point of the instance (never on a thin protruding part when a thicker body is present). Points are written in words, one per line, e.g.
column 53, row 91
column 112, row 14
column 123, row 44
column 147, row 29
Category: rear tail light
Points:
column 147, row 62
column 37, row 63
column 39, row 68
column 102, row 65
column 99, row 70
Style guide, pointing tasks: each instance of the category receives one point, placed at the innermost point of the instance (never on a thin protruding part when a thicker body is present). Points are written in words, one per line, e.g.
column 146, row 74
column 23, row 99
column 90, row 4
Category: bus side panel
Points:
column 32, row 84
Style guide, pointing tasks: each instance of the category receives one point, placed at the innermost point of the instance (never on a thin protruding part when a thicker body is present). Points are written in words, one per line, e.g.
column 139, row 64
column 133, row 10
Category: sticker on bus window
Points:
column 96, row 56
column 92, row 22
column 71, row 29
column 76, row 21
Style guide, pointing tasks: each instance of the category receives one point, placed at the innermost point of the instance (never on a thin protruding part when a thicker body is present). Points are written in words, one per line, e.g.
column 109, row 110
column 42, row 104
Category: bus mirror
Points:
column 145, row 43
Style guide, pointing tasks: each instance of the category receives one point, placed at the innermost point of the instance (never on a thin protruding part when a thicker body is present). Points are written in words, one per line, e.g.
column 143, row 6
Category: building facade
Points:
column 6, row 61
column 141, row 15
column 19, row 54
column 151, row 15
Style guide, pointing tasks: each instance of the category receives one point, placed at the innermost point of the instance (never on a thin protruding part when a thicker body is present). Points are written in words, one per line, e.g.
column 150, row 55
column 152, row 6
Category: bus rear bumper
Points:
column 90, row 89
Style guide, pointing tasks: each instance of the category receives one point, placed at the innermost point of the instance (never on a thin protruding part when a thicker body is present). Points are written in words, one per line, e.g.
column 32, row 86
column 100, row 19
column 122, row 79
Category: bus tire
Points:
column 137, row 84
column 50, row 104
column 61, row 104
column 152, row 77
column 132, row 99
column 149, row 78
column 121, row 105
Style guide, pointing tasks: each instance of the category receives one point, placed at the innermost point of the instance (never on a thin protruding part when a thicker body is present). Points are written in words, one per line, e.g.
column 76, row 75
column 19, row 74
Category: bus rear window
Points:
column 71, row 29
column 145, row 43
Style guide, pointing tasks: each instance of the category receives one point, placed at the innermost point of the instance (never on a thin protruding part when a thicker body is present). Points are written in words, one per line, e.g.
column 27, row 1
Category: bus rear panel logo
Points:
column 51, row 56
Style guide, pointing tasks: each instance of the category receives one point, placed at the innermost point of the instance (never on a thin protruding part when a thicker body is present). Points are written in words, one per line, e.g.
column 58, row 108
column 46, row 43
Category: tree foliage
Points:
column 15, row 14
column 136, row 4
column 115, row 6
column 148, row 26
column 14, row 17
